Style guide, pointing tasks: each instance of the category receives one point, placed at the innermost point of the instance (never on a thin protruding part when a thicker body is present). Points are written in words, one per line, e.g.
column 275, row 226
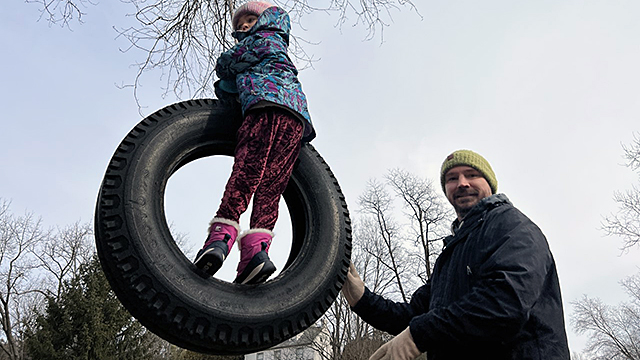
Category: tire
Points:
column 160, row 287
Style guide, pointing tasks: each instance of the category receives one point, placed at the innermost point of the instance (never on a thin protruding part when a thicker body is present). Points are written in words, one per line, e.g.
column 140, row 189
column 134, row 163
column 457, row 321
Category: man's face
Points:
column 465, row 187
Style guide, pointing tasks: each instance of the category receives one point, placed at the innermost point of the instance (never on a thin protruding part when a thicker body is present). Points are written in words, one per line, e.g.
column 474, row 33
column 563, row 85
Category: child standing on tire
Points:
column 276, row 120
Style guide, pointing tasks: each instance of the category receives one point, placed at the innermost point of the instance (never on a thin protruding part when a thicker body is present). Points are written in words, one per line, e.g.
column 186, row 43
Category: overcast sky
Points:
column 547, row 91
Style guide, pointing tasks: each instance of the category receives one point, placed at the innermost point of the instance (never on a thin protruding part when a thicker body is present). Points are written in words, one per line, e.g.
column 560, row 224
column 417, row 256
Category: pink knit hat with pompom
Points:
column 251, row 7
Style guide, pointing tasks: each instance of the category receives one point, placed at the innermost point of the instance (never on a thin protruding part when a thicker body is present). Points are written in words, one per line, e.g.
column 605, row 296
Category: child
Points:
column 260, row 73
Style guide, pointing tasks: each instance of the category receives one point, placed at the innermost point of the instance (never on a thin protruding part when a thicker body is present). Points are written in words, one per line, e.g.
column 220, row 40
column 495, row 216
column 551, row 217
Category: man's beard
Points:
column 463, row 210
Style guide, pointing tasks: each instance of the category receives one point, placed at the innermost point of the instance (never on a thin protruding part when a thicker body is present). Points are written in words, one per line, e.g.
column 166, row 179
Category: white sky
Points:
column 547, row 91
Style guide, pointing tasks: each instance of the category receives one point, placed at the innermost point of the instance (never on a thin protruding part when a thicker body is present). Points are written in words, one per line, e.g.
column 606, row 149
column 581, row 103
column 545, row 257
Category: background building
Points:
column 308, row 345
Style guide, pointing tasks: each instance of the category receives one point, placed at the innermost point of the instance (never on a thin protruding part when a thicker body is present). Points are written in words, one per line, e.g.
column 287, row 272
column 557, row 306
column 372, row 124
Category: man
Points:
column 494, row 293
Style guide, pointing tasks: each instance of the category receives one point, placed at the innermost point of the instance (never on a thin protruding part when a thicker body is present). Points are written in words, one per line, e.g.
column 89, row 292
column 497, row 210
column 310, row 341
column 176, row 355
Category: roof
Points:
column 305, row 338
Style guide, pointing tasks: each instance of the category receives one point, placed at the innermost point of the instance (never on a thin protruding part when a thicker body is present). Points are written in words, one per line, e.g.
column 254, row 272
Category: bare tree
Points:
column 349, row 336
column 372, row 257
column 61, row 253
column 579, row 356
column 614, row 330
column 626, row 222
column 62, row 12
column 410, row 248
column 391, row 257
column 182, row 38
column 362, row 348
column 18, row 236
column 384, row 243
column 34, row 263
column 427, row 216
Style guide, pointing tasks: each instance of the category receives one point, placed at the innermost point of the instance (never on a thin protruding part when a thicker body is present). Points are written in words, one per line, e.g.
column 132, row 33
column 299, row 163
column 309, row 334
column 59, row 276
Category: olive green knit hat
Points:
column 469, row 158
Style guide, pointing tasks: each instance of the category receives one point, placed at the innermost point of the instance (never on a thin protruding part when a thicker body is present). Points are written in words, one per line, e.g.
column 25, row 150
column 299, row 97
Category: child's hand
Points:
column 222, row 94
column 228, row 86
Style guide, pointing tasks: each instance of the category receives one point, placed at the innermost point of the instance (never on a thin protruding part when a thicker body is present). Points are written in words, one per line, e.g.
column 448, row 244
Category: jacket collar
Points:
column 476, row 215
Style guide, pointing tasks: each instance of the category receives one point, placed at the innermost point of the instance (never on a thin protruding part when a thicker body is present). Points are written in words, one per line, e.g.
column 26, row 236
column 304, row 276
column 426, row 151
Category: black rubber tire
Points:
column 162, row 288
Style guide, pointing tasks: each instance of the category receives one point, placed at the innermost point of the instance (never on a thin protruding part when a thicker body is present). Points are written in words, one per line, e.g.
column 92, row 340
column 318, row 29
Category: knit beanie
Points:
column 469, row 158
column 251, row 7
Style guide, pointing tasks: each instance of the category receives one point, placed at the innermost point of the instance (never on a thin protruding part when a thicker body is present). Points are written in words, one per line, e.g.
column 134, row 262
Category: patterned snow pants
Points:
column 268, row 146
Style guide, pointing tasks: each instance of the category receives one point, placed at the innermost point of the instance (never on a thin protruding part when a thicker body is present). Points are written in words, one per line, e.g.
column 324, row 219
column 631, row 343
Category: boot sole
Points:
column 210, row 261
column 261, row 267
column 260, row 274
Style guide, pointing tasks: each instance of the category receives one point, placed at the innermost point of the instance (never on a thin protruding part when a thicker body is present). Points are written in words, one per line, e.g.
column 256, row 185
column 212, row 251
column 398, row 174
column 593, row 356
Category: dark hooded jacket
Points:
column 494, row 293
column 259, row 69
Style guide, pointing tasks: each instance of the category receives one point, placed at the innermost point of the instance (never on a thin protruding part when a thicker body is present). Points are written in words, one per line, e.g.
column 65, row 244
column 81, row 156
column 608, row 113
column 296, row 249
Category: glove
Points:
column 228, row 86
column 400, row 347
column 353, row 287
column 220, row 87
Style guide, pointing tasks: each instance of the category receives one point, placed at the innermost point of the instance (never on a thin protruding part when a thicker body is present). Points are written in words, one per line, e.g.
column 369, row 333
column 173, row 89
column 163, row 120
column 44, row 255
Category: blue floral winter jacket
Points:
column 261, row 69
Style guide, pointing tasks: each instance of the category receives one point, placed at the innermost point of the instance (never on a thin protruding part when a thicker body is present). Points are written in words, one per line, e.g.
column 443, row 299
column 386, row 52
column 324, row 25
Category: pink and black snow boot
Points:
column 222, row 235
column 255, row 266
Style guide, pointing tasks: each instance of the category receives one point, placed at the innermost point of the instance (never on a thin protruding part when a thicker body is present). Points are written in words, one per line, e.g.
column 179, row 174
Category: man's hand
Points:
column 353, row 287
column 401, row 347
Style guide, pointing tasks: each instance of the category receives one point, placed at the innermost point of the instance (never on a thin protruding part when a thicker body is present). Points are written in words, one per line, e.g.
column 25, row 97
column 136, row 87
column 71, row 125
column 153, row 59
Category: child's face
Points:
column 246, row 22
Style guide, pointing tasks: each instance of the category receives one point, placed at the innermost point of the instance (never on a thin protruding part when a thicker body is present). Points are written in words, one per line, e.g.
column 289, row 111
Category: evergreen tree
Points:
column 88, row 322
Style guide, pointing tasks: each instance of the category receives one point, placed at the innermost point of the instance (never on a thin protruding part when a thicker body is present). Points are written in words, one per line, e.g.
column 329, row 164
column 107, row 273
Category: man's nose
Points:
column 462, row 181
